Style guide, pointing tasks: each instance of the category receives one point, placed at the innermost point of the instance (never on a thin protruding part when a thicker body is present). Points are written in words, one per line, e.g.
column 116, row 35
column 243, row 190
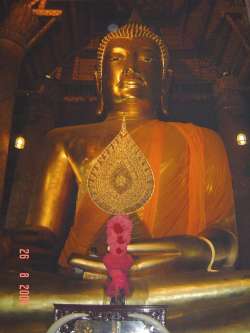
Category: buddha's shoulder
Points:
column 188, row 134
column 189, row 130
column 211, row 139
column 72, row 133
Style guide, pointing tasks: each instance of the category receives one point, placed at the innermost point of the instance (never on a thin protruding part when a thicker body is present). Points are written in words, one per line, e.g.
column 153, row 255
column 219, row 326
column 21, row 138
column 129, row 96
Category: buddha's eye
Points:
column 147, row 58
column 115, row 58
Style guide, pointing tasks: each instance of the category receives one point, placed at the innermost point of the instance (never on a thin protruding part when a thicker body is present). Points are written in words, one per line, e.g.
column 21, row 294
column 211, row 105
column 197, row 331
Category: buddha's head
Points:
column 131, row 73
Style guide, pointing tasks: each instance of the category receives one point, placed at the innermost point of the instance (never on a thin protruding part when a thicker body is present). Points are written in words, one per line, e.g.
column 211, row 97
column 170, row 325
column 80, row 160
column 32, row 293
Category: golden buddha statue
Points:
column 188, row 224
column 193, row 194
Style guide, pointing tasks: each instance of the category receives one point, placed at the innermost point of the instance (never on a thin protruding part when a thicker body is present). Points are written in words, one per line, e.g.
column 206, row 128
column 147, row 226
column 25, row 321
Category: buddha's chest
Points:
column 167, row 156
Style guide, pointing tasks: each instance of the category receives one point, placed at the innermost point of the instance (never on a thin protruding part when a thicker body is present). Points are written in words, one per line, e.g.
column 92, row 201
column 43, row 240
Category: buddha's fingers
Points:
column 87, row 264
column 147, row 263
column 150, row 247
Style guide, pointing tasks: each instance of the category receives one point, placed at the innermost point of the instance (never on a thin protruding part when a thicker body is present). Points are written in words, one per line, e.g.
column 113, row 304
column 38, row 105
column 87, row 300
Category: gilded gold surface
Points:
column 14, row 32
column 131, row 81
column 48, row 12
column 131, row 31
column 42, row 11
column 42, row 4
column 121, row 180
column 198, row 302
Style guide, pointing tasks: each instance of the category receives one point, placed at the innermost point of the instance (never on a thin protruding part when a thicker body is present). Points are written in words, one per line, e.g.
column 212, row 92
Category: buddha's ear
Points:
column 166, row 86
column 98, row 81
column 100, row 104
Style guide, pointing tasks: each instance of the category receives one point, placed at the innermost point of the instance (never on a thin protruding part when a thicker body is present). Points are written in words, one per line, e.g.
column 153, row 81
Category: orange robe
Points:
column 193, row 188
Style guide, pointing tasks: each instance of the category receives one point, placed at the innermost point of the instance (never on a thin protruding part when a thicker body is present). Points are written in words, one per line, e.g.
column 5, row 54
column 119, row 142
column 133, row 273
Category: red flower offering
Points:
column 118, row 261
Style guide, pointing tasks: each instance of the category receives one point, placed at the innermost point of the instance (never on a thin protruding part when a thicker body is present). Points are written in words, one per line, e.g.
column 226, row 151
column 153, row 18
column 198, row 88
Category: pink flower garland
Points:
column 118, row 261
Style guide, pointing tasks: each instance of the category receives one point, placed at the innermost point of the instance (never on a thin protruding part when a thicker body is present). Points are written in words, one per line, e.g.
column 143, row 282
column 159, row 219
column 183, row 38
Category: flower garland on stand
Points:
column 117, row 260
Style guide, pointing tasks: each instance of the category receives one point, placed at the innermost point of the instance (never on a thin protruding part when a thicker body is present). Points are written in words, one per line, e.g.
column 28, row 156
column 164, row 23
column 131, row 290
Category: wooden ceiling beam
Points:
column 62, row 38
column 186, row 16
column 74, row 23
column 42, row 11
column 236, row 29
column 169, row 6
column 29, row 73
column 53, row 42
column 221, row 42
column 244, row 71
column 34, row 2
column 207, row 20
column 231, row 52
column 38, row 66
column 42, row 4
column 5, row 5
column 48, row 12
column 236, row 52
column 41, row 32
column 47, row 57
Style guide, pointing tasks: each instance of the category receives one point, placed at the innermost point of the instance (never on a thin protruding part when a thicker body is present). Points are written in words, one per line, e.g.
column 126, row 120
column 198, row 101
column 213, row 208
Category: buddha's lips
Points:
column 131, row 84
column 132, row 81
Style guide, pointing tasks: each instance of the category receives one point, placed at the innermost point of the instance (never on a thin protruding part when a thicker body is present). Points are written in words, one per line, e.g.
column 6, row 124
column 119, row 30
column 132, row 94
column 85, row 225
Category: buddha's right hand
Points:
column 39, row 244
column 143, row 264
column 213, row 249
column 176, row 253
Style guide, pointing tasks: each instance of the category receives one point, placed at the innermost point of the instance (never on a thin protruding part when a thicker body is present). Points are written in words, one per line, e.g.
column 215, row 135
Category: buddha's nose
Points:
column 131, row 64
column 128, row 70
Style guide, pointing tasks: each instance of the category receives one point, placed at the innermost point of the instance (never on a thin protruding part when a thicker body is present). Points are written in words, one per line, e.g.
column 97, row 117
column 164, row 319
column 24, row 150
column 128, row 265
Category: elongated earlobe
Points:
column 164, row 103
column 100, row 106
column 100, row 103
column 165, row 93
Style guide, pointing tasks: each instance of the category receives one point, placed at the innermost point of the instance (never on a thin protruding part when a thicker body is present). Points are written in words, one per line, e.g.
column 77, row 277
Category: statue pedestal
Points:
column 217, row 302
column 109, row 318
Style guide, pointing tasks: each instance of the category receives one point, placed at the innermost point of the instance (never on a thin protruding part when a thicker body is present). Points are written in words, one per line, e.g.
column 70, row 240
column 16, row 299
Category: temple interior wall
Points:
column 205, row 50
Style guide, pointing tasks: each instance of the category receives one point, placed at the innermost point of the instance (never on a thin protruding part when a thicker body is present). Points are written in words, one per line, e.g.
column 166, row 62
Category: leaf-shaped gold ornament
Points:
column 121, row 180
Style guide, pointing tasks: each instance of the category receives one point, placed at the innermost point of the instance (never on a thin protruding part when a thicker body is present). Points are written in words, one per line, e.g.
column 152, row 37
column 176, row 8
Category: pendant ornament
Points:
column 121, row 180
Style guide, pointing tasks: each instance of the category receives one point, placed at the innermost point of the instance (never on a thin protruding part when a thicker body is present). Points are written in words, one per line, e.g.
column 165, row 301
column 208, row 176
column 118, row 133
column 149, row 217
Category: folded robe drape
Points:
column 193, row 187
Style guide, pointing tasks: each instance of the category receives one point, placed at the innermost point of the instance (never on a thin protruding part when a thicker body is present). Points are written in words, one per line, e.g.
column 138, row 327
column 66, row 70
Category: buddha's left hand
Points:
column 175, row 253
column 214, row 247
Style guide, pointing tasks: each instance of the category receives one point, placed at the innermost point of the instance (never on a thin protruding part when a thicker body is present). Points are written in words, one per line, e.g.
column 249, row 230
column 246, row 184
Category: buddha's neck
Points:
column 136, row 111
column 119, row 115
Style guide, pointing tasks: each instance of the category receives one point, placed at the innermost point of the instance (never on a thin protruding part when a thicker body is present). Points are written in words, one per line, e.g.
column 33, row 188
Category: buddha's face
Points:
column 132, row 75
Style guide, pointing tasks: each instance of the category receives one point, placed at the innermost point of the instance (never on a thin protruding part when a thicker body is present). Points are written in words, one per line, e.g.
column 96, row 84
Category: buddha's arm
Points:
column 225, row 244
column 141, row 264
column 53, row 191
column 48, row 213
column 215, row 246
